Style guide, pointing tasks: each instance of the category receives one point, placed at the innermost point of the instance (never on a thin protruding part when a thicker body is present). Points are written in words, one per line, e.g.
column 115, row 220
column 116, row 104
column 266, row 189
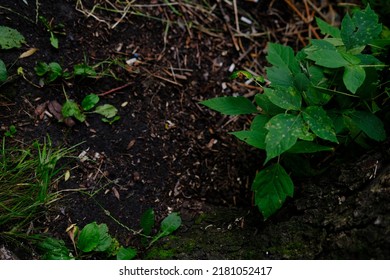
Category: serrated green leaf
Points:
column 147, row 221
column 320, row 123
column 89, row 101
column 271, row 187
column 304, row 147
column 88, row 239
column 106, row 110
column 10, row 38
column 361, row 29
column 231, row 105
column 3, row 72
column 353, row 77
column 283, row 132
column 171, row 223
column 286, row 98
column 282, row 57
column 328, row 29
column 370, row 124
column 280, row 76
column 327, row 58
column 126, row 254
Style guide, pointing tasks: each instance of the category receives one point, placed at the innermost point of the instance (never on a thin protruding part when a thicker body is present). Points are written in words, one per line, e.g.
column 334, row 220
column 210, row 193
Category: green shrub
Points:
column 329, row 94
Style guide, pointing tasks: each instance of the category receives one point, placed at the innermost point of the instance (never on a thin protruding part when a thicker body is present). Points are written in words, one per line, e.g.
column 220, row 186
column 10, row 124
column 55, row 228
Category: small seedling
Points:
column 93, row 238
column 50, row 71
column 72, row 109
column 11, row 131
column 52, row 29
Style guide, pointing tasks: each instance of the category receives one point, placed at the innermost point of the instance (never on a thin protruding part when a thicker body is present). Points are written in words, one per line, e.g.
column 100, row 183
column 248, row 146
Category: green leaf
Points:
column 3, row 72
column 231, row 105
column 89, row 238
column 328, row 29
column 41, row 68
column 53, row 40
column 283, row 57
column 72, row 109
column 171, row 223
column 280, row 76
column 325, row 54
column 111, row 120
column 256, row 135
column 304, row 147
column 105, row 239
column 54, row 249
column 266, row 105
column 271, row 187
column 126, row 254
column 55, row 71
column 354, row 76
column 107, row 110
column 370, row 124
column 84, row 70
column 283, row 132
column 147, row 221
column 89, row 101
column 320, row 123
column 10, row 38
column 361, row 29
column 286, row 98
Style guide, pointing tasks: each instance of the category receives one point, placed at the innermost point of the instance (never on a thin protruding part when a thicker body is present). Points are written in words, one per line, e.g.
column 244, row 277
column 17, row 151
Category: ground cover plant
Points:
column 160, row 149
column 27, row 176
column 328, row 94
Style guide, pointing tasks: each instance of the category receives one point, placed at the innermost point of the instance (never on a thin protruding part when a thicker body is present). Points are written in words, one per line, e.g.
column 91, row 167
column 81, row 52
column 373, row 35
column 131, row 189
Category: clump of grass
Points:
column 26, row 177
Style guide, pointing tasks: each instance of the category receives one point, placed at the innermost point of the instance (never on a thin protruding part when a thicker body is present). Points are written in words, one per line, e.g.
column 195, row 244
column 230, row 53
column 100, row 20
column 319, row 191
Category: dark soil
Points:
column 171, row 154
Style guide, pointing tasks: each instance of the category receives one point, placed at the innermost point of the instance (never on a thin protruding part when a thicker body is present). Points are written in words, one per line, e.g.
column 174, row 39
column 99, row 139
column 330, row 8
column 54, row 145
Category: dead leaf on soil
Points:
column 28, row 53
column 40, row 110
column 55, row 108
column 116, row 193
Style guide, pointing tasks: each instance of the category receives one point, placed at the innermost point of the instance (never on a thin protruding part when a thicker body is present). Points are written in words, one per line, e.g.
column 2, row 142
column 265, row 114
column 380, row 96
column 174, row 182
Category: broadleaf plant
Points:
column 328, row 94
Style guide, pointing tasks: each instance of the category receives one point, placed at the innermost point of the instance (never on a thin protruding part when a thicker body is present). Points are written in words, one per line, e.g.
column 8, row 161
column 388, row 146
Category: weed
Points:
column 53, row 30
column 72, row 109
column 329, row 94
column 94, row 238
column 26, row 175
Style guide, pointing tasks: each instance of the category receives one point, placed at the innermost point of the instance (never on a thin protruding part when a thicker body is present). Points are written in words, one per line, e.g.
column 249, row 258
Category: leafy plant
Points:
column 53, row 71
column 11, row 131
column 92, row 238
column 72, row 109
column 328, row 94
column 53, row 30
column 95, row 238
column 171, row 223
